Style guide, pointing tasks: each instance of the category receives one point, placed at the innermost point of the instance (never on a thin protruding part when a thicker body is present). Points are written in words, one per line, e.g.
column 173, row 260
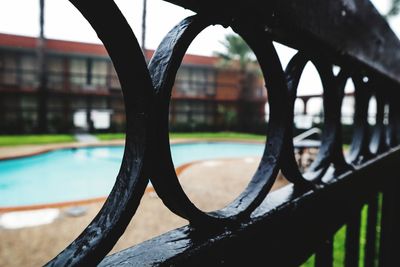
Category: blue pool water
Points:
column 77, row 174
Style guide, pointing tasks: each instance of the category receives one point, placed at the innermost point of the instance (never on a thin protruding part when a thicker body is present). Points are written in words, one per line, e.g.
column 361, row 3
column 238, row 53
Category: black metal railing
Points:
column 283, row 227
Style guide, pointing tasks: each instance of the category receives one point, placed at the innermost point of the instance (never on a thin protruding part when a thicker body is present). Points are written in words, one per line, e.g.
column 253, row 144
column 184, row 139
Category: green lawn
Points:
column 206, row 135
column 16, row 140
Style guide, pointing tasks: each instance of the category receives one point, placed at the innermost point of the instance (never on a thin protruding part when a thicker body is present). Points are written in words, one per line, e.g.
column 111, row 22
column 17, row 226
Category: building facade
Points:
column 80, row 91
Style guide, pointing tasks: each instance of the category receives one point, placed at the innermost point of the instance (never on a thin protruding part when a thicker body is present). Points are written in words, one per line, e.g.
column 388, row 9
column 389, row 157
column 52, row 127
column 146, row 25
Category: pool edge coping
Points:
column 117, row 142
column 179, row 170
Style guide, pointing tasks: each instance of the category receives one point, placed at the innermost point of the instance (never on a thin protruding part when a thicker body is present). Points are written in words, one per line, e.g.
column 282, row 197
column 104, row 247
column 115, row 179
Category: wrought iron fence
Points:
column 280, row 228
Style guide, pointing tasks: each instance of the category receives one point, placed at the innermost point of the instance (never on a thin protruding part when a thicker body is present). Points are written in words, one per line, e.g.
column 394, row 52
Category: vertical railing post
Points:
column 324, row 256
column 370, row 247
column 353, row 241
column 389, row 224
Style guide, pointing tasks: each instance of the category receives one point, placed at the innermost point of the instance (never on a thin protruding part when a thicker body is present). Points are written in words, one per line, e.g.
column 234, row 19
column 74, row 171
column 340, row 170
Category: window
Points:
column 8, row 66
column 29, row 70
column 211, row 81
column 114, row 81
column 198, row 75
column 198, row 113
column 99, row 103
column 55, row 103
column 183, row 81
column 192, row 112
column 78, row 103
column 182, row 110
column 99, row 73
column 55, row 73
column 78, row 71
column 196, row 81
column 28, row 103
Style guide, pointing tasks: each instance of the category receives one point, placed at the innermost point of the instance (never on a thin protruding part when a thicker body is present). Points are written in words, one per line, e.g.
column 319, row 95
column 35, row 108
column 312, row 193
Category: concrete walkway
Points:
column 86, row 138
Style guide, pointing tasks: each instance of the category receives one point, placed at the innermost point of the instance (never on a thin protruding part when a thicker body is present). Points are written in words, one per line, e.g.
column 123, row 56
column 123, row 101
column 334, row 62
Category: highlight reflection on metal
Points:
column 147, row 93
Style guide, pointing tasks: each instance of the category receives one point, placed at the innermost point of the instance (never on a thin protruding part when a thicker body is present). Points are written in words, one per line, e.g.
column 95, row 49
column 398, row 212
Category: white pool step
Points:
column 86, row 138
column 22, row 219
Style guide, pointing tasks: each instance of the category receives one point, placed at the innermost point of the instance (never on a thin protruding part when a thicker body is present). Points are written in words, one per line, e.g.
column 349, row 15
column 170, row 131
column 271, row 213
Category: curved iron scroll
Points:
column 110, row 223
column 147, row 93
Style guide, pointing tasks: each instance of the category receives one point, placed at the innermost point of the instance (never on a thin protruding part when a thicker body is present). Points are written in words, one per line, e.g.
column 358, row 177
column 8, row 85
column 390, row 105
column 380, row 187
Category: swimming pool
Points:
column 83, row 173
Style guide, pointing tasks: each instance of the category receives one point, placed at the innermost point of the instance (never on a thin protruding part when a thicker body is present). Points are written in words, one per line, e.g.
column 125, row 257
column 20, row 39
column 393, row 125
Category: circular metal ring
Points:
column 163, row 68
column 359, row 149
column 289, row 166
column 378, row 142
column 330, row 150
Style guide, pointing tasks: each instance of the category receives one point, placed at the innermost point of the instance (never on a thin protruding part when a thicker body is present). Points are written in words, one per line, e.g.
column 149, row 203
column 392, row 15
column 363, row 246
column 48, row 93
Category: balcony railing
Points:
column 66, row 81
column 280, row 228
column 58, row 80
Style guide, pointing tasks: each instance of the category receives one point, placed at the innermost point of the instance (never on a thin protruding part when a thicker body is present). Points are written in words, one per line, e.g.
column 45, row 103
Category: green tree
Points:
column 238, row 53
column 394, row 9
column 236, row 49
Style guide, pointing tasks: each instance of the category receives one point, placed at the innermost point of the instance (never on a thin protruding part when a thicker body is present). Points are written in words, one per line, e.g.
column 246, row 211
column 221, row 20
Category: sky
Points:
column 63, row 21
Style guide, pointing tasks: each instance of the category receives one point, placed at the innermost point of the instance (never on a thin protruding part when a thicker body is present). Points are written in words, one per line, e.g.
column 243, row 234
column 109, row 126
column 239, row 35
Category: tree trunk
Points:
column 144, row 14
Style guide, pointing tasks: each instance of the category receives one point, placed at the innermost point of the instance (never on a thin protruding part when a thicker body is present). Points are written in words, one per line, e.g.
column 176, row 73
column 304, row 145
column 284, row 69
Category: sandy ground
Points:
column 211, row 185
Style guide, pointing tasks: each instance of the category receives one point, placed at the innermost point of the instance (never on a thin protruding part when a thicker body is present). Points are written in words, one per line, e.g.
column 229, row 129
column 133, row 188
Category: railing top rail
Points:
column 181, row 247
column 348, row 31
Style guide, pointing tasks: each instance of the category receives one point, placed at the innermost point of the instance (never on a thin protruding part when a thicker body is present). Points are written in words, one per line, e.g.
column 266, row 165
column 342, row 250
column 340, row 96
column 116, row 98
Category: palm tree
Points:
column 41, row 63
column 236, row 49
column 144, row 14
column 238, row 52
column 394, row 9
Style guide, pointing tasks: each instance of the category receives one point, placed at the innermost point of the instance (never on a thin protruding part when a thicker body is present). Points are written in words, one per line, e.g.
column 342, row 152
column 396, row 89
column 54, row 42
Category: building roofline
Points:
column 84, row 49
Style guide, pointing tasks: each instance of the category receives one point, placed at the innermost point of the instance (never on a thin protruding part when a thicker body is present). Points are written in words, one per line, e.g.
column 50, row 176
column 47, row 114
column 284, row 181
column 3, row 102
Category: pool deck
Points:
column 209, row 184
column 14, row 152
column 204, row 182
